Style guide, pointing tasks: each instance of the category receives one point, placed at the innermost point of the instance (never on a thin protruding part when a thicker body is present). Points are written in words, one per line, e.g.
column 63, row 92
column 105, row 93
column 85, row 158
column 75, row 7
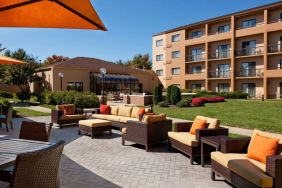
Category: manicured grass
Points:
column 52, row 107
column 233, row 135
column 23, row 112
column 251, row 114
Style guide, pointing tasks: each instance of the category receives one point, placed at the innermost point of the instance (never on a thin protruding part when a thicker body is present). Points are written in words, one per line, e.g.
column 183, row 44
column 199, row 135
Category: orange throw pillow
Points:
column 105, row 109
column 141, row 111
column 262, row 147
column 198, row 124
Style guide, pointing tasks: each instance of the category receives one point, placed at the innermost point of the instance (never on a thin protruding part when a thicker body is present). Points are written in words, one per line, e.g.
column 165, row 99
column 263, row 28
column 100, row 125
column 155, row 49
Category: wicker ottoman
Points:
column 93, row 126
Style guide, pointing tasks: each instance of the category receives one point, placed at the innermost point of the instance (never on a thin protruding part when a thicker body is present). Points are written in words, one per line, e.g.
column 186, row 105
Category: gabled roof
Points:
column 259, row 8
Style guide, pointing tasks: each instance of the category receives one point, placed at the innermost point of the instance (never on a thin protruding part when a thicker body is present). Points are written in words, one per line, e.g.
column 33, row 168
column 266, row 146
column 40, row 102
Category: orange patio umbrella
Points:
column 9, row 61
column 72, row 14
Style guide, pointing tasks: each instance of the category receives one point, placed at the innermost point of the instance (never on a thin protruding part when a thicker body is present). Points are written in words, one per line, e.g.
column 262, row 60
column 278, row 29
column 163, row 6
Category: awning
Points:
column 9, row 61
column 73, row 14
column 117, row 77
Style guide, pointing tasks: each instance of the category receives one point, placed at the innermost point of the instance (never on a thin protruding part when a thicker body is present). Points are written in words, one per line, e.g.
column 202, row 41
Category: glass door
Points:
column 249, row 88
column 196, row 54
column 223, row 71
column 249, row 47
column 248, row 69
column 223, row 51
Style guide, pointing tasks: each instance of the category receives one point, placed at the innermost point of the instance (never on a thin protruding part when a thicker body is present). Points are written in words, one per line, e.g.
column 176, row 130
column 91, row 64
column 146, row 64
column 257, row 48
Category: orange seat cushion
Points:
column 261, row 147
column 105, row 109
column 198, row 124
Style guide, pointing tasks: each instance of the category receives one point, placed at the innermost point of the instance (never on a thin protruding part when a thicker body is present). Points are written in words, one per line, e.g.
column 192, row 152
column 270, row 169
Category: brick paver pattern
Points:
column 104, row 162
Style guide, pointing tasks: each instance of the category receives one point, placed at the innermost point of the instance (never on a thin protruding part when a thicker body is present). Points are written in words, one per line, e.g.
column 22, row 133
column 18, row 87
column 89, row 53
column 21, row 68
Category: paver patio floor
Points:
column 104, row 162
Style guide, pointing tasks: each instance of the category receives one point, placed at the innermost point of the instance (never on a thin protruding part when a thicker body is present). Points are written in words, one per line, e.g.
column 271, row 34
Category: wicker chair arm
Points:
column 135, row 123
column 274, row 168
column 211, row 132
column 183, row 126
column 235, row 145
column 55, row 114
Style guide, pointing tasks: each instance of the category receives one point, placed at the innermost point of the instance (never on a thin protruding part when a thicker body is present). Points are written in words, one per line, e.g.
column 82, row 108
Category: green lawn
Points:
column 251, row 114
column 52, row 107
column 23, row 112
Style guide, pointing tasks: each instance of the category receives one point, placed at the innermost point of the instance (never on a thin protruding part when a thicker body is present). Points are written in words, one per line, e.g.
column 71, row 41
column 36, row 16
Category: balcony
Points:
column 245, row 73
column 196, row 58
column 274, row 20
column 274, row 48
column 200, row 75
column 219, row 74
column 220, row 55
column 255, row 51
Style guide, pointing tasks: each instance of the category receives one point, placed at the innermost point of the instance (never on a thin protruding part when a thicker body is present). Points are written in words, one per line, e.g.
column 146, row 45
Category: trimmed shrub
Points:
column 168, row 94
column 175, row 96
column 197, row 102
column 23, row 95
column 201, row 100
column 157, row 95
column 183, row 103
column 163, row 104
column 4, row 103
column 86, row 101
column 6, row 94
column 234, row 95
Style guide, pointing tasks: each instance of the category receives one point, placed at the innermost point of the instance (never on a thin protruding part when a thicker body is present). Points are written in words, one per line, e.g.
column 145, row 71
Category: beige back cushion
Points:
column 114, row 110
column 213, row 122
column 124, row 111
column 147, row 109
column 262, row 133
column 135, row 111
column 153, row 118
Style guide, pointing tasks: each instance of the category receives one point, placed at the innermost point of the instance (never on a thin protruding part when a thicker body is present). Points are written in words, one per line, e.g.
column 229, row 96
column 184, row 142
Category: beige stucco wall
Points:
column 274, row 14
column 258, row 38
column 258, row 82
column 190, row 31
column 213, row 28
column 273, row 61
column 274, row 38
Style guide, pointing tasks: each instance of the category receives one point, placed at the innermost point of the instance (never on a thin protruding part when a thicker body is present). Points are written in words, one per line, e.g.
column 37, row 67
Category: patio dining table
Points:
column 11, row 147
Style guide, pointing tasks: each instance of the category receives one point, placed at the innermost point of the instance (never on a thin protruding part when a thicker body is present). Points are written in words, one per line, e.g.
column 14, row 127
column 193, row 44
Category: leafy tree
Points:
column 23, row 75
column 4, row 73
column 175, row 95
column 55, row 59
column 157, row 95
column 139, row 61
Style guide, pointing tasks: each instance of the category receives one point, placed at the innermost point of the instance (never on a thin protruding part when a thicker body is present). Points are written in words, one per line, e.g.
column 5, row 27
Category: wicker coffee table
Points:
column 94, row 126
column 208, row 143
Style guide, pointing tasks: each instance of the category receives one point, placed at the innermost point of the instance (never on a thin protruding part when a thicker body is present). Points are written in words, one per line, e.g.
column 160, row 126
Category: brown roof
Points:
column 240, row 13
column 94, row 64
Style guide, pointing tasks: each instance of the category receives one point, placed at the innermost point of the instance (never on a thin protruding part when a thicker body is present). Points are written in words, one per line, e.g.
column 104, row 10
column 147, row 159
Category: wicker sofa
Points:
column 59, row 117
column 233, row 165
column 189, row 144
column 120, row 115
column 151, row 130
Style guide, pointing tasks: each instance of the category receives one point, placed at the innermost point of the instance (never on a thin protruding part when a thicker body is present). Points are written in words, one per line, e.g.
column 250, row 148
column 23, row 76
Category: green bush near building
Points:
column 175, row 95
column 157, row 95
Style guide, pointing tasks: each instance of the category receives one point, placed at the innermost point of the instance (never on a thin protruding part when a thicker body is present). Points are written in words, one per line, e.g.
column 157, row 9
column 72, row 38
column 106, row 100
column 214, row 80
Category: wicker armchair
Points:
column 8, row 118
column 35, row 131
column 188, row 144
column 234, row 150
column 36, row 169
column 146, row 134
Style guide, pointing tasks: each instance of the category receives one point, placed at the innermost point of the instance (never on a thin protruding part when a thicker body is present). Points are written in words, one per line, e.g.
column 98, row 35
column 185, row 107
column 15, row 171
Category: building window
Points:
column 249, row 88
column 196, row 54
column 248, row 69
column 223, row 28
column 175, row 54
column 196, row 86
column 280, row 90
column 159, row 42
column 175, row 38
column 159, row 57
column 223, row 51
column 160, row 72
column 175, row 71
column 75, row 86
column 196, row 69
column 223, row 87
column 249, row 23
column 196, row 34
column 248, row 48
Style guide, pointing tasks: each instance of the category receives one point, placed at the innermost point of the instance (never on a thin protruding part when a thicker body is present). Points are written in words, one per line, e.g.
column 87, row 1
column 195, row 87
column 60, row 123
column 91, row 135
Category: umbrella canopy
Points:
column 9, row 61
column 72, row 14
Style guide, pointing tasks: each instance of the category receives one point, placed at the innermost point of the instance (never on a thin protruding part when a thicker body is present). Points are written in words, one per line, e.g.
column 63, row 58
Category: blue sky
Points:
column 131, row 24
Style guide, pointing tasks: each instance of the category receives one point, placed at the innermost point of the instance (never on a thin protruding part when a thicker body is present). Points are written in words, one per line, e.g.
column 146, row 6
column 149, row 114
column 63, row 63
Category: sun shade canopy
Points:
column 113, row 77
column 72, row 14
column 9, row 61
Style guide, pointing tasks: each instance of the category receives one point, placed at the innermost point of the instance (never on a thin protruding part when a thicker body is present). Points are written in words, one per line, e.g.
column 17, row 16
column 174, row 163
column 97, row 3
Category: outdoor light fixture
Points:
column 61, row 75
column 103, row 71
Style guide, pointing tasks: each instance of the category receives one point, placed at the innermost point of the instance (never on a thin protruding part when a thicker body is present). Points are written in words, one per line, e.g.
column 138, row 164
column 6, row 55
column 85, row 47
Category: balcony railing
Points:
column 250, row 26
column 250, row 73
column 274, row 48
column 250, row 51
column 219, row 55
column 198, row 57
column 274, row 20
column 219, row 74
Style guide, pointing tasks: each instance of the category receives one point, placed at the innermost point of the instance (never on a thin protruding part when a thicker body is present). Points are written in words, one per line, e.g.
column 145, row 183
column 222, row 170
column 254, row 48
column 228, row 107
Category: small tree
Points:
column 157, row 95
column 168, row 94
column 175, row 95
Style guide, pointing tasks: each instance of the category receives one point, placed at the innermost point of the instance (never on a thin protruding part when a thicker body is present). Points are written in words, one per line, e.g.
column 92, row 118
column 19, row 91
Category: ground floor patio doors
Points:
column 249, row 88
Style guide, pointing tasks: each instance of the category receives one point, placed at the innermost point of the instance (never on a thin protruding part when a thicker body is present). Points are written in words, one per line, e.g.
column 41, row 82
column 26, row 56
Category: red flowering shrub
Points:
column 201, row 100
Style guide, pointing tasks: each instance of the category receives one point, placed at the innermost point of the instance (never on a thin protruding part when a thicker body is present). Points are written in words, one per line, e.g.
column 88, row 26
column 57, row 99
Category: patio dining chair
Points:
column 35, row 131
column 8, row 117
column 36, row 169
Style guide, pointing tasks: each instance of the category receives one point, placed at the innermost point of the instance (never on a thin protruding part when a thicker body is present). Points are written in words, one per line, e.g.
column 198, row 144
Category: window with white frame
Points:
column 175, row 71
column 160, row 72
column 159, row 42
column 175, row 54
column 160, row 57
column 175, row 38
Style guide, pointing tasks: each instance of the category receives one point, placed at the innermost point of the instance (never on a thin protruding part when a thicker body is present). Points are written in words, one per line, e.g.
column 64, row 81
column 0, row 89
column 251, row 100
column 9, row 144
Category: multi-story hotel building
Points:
column 236, row 52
